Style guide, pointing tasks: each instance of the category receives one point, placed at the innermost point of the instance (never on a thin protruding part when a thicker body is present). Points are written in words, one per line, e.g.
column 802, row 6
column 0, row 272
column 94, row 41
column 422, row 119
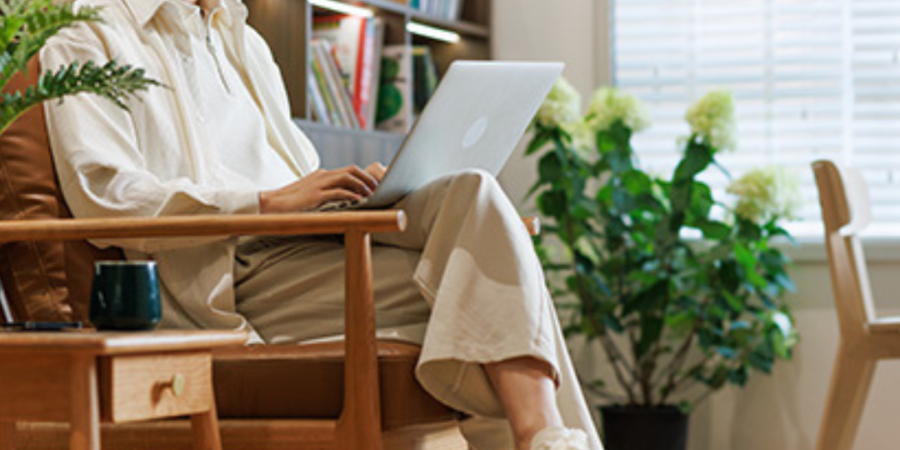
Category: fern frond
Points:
column 115, row 82
column 23, row 33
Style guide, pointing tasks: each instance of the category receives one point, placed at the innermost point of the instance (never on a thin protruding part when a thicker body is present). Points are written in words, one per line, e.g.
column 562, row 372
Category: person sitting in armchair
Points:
column 463, row 280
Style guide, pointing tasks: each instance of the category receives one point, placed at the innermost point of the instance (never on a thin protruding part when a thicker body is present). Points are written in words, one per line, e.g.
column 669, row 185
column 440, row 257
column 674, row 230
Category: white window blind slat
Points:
column 811, row 79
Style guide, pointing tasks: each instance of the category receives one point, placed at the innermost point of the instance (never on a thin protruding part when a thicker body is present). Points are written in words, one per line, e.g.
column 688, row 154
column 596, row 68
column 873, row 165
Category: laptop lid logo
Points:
column 475, row 132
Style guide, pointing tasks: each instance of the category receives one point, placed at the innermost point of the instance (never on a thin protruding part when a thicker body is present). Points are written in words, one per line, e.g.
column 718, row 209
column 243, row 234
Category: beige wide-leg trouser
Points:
column 465, row 269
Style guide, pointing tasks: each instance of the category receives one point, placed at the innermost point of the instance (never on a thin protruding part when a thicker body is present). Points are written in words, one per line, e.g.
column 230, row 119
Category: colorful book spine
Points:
column 338, row 87
column 322, row 82
column 317, row 100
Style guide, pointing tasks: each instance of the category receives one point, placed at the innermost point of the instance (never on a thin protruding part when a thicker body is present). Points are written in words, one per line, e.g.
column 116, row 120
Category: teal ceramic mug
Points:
column 125, row 295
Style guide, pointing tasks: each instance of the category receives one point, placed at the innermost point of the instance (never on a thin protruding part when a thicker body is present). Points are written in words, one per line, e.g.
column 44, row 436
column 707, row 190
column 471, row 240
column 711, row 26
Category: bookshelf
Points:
column 287, row 27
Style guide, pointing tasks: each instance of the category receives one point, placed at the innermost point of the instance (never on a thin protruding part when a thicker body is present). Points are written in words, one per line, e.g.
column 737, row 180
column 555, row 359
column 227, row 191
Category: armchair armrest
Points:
column 203, row 225
column 209, row 225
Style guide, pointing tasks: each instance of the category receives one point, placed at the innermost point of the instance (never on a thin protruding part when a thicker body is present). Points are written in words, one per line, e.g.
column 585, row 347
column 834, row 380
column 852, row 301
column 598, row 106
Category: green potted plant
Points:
column 25, row 25
column 682, row 291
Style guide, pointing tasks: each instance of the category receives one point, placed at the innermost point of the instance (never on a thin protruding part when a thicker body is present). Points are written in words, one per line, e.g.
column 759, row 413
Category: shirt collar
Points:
column 145, row 10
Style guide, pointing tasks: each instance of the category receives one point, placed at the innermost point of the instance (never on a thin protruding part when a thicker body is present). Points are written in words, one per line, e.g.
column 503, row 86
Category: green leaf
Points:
column 552, row 203
column 738, row 376
column 761, row 360
column 783, row 323
column 619, row 160
column 539, row 141
column 749, row 231
column 637, row 182
column 681, row 323
column 29, row 26
column 726, row 352
column 697, row 158
column 605, row 142
column 733, row 302
column 715, row 230
column 650, row 299
column 701, row 203
column 115, row 82
column 613, row 323
column 744, row 256
column 651, row 326
column 718, row 378
column 550, row 168
column 785, row 282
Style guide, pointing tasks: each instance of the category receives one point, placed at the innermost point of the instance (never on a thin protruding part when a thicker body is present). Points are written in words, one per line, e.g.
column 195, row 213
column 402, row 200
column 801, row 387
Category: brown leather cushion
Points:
column 48, row 281
column 284, row 381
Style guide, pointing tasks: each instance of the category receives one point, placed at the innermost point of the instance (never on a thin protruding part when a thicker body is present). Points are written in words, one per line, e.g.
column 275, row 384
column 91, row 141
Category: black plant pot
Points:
column 643, row 428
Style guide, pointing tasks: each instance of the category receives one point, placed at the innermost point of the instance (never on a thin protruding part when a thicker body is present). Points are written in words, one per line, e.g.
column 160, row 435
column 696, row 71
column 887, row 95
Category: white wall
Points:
column 778, row 412
column 551, row 30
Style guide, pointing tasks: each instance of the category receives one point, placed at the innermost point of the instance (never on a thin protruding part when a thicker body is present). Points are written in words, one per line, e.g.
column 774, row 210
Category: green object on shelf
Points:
column 390, row 102
column 394, row 112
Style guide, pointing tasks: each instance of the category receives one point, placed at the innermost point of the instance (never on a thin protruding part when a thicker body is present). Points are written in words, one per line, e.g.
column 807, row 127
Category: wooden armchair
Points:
column 865, row 337
column 359, row 423
column 360, row 394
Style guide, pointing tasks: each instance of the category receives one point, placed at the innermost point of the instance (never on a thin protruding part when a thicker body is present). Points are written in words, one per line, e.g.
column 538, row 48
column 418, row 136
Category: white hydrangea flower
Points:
column 582, row 137
column 609, row 105
column 767, row 193
column 561, row 108
column 712, row 118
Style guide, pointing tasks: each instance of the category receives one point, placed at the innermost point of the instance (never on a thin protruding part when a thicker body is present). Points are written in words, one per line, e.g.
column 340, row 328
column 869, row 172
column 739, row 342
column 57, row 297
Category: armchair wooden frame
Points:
column 359, row 425
column 865, row 338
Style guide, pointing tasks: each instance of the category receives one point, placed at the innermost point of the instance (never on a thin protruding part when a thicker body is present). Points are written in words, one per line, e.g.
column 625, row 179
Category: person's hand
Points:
column 377, row 170
column 319, row 187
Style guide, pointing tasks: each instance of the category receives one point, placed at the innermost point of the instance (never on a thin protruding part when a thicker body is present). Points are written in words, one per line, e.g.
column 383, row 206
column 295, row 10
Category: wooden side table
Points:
column 83, row 377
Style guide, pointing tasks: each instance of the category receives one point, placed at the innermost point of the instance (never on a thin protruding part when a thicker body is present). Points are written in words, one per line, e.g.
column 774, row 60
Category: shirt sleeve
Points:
column 101, row 168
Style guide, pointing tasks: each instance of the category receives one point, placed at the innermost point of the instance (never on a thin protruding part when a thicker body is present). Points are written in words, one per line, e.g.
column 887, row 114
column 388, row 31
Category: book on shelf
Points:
column 395, row 109
column 442, row 9
column 356, row 43
column 425, row 77
column 318, row 106
column 330, row 83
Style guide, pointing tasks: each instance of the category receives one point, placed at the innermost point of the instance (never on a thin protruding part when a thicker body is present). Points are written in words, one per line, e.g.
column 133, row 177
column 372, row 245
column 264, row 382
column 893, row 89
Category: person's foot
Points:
column 559, row 438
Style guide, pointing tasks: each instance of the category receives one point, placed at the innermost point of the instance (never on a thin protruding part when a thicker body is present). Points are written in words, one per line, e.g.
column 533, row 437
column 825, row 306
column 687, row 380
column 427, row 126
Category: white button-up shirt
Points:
column 169, row 154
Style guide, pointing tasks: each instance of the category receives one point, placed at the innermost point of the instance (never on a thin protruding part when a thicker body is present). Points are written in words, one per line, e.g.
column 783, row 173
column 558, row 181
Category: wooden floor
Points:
column 237, row 435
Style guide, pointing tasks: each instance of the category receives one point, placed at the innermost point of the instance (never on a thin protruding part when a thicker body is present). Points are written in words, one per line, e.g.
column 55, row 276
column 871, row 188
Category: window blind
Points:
column 811, row 79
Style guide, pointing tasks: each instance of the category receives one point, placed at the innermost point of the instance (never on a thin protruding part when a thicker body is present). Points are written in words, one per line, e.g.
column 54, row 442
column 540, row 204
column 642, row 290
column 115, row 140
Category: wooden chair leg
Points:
column 850, row 381
column 205, row 428
column 7, row 435
column 359, row 427
column 85, row 408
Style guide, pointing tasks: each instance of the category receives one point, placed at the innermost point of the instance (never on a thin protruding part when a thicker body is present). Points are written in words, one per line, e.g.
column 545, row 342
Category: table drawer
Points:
column 154, row 386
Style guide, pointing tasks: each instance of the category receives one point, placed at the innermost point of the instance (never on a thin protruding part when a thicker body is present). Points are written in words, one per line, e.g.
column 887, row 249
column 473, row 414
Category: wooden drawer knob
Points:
column 178, row 383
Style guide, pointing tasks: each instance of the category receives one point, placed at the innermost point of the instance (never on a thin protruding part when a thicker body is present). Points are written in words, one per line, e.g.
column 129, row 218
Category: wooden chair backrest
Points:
column 846, row 211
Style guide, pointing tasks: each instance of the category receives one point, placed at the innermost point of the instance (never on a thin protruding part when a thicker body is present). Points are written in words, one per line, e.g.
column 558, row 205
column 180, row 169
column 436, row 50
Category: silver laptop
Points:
column 473, row 121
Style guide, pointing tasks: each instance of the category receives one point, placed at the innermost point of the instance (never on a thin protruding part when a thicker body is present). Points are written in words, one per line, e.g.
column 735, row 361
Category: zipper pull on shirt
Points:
column 212, row 49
